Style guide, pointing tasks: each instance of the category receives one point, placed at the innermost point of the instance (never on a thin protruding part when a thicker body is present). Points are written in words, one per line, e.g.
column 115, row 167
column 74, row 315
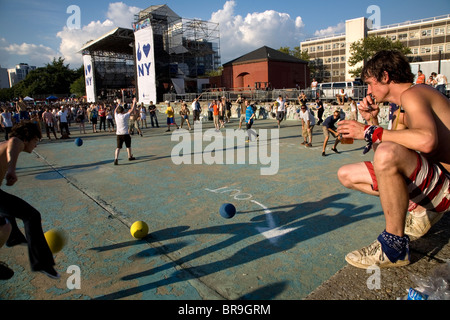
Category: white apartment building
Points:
column 428, row 39
column 19, row 73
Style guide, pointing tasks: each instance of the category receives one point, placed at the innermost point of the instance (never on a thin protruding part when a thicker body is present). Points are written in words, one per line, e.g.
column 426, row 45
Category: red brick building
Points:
column 265, row 68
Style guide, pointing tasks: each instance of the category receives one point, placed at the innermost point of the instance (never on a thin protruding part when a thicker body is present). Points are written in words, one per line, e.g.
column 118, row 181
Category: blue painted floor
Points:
column 290, row 234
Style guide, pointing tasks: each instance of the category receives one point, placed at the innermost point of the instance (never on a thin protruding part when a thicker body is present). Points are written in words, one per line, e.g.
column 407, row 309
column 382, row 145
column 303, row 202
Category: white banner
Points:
column 145, row 65
column 89, row 76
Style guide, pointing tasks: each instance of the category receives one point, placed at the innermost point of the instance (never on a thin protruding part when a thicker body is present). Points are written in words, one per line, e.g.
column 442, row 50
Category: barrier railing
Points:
column 329, row 95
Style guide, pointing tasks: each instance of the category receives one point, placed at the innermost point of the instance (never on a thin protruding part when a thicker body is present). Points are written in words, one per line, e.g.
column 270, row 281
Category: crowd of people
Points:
column 56, row 120
column 401, row 173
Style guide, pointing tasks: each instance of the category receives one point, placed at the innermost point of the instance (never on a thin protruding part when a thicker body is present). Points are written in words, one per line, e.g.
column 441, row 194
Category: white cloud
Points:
column 29, row 53
column 331, row 30
column 72, row 40
column 240, row 35
column 121, row 14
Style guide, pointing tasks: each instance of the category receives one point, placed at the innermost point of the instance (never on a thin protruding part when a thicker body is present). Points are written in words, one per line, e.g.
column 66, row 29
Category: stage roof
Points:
column 116, row 41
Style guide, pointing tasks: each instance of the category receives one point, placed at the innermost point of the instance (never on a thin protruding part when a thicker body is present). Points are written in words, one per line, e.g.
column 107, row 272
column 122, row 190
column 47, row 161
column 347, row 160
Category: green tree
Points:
column 363, row 50
column 78, row 87
column 55, row 78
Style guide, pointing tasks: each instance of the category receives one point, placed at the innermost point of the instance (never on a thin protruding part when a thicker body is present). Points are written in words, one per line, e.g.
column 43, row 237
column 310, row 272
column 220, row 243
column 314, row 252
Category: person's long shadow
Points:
column 43, row 172
column 304, row 221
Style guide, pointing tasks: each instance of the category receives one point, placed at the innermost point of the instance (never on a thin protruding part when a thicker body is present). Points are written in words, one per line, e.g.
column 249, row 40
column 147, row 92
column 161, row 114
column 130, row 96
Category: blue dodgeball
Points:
column 227, row 210
column 79, row 142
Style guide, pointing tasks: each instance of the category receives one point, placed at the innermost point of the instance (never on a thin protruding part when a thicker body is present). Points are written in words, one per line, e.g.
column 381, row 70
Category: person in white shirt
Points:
column 441, row 82
column 63, row 125
column 123, row 136
column 308, row 123
column 6, row 122
column 280, row 110
column 314, row 85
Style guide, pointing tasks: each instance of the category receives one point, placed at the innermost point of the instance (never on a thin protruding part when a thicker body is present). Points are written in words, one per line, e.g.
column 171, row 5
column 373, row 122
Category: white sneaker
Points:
column 373, row 255
column 418, row 224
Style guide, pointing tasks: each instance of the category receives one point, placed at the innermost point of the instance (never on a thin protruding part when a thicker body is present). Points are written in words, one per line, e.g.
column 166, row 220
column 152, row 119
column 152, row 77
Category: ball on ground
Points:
column 227, row 210
column 79, row 142
column 56, row 240
column 139, row 229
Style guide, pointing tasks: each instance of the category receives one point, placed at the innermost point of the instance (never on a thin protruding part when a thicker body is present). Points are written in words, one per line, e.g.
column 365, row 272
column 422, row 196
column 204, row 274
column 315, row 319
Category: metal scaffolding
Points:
column 193, row 45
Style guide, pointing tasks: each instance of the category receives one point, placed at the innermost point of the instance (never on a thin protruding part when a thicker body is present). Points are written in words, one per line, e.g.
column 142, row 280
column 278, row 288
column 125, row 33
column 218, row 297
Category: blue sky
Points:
column 35, row 31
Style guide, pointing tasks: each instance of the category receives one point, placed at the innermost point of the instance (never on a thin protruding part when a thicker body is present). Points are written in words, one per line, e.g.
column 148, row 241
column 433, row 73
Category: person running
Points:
column 24, row 137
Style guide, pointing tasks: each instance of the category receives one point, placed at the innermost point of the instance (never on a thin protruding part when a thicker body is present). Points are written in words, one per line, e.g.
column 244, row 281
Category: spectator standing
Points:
column 441, row 82
column 49, row 123
column 6, row 121
column 102, row 116
column 308, row 123
column 152, row 111
column 63, row 124
column 110, row 119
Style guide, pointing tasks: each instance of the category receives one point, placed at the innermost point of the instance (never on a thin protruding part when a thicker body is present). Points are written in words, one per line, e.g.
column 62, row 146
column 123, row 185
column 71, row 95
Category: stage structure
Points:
column 109, row 66
column 162, row 53
column 190, row 47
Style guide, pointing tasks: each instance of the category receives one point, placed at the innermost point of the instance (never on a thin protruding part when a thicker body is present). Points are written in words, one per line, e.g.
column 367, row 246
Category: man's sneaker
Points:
column 50, row 272
column 417, row 225
column 373, row 255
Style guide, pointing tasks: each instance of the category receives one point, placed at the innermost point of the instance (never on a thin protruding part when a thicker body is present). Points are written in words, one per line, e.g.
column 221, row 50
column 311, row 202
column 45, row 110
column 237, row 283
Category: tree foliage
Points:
column 55, row 78
column 366, row 48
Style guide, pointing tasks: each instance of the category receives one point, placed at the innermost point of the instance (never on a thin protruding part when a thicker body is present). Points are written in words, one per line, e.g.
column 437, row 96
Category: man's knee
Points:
column 344, row 176
column 387, row 157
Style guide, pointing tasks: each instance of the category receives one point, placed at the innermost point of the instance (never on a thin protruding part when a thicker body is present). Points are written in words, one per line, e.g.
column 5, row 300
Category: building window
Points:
column 319, row 48
column 448, row 48
column 439, row 31
column 436, row 49
column 426, row 33
column 328, row 47
column 343, row 59
column 403, row 36
column 415, row 50
column 413, row 34
column 425, row 50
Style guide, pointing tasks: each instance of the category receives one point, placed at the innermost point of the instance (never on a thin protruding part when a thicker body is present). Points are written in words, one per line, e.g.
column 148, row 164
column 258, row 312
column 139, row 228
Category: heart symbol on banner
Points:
column 146, row 49
column 139, row 53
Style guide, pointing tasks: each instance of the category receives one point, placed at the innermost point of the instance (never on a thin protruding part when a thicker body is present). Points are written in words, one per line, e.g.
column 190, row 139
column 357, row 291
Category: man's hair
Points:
column 26, row 131
column 120, row 109
column 391, row 61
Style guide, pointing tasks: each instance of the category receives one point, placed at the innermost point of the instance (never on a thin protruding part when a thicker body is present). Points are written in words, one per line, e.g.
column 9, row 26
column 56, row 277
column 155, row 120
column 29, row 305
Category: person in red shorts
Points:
column 410, row 168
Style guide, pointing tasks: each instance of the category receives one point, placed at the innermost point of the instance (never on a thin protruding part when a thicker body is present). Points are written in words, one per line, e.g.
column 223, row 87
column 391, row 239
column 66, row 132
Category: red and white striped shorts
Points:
column 428, row 186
